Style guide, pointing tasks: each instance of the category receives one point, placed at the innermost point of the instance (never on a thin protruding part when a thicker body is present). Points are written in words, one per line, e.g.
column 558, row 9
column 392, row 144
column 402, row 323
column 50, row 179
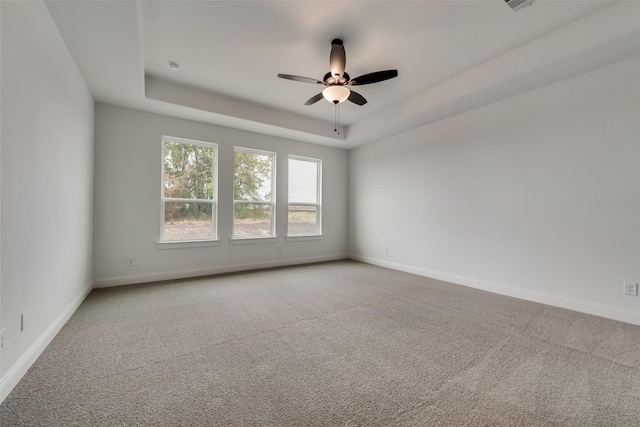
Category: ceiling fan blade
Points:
column 376, row 77
column 300, row 79
column 356, row 98
column 337, row 59
column 314, row 99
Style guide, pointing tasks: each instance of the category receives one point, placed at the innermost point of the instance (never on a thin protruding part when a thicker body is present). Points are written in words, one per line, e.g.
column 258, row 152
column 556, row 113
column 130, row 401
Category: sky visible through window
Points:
column 303, row 177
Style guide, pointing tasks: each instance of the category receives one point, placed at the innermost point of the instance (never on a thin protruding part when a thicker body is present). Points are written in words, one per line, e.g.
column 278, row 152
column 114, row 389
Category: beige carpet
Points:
column 334, row 344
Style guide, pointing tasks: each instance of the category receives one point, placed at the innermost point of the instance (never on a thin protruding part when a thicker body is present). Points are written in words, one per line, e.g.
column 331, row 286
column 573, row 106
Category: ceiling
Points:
column 451, row 56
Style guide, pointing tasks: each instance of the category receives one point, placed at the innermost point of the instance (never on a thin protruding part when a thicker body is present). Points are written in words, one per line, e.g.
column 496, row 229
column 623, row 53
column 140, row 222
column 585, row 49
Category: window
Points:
column 304, row 212
column 253, row 194
column 189, row 190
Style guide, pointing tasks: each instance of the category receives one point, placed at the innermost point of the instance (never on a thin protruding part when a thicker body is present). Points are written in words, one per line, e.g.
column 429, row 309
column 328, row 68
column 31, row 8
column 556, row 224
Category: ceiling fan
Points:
column 337, row 81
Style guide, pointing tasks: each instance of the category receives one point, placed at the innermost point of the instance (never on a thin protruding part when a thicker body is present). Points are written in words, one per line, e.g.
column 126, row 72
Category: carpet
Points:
column 330, row 344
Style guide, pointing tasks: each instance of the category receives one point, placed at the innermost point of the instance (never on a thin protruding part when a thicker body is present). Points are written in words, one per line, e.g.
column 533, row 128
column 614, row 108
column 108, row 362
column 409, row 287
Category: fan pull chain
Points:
column 336, row 119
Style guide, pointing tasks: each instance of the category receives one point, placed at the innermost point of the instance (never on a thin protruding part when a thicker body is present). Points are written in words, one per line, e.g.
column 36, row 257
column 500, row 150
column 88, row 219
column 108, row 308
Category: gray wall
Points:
column 127, row 201
column 536, row 196
column 47, row 185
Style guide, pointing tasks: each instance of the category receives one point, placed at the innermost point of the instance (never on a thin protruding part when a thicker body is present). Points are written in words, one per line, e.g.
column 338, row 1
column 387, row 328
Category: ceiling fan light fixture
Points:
column 336, row 94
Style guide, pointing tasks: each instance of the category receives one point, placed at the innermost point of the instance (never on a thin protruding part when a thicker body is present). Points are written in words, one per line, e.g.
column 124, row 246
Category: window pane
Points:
column 303, row 221
column 188, row 171
column 304, row 211
column 252, row 176
column 303, row 181
column 252, row 220
column 188, row 221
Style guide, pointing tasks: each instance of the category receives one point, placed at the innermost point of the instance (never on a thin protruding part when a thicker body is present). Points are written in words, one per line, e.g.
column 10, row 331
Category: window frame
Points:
column 213, row 201
column 317, row 205
column 271, row 203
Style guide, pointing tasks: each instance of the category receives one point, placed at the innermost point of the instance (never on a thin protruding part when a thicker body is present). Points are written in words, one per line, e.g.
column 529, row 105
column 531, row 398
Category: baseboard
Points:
column 185, row 274
column 609, row 312
column 17, row 371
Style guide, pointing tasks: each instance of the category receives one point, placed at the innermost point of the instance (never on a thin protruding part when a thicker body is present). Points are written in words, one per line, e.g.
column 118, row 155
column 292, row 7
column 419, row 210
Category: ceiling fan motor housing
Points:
column 331, row 80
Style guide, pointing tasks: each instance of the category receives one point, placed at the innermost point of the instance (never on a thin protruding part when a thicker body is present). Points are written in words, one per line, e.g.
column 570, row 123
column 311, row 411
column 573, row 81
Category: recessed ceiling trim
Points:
column 238, row 113
column 608, row 36
column 113, row 47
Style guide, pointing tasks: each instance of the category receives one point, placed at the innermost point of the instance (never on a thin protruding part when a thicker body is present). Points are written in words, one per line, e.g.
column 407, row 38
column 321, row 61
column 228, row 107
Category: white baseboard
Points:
column 17, row 371
column 609, row 312
column 184, row 274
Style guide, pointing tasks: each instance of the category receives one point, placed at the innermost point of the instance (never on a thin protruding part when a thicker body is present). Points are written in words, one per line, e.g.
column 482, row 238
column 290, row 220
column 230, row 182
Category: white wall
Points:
column 127, row 201
column 47, row 185
column 536, row 196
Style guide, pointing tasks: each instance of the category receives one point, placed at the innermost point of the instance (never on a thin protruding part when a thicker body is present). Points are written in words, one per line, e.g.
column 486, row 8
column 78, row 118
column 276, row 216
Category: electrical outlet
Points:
column 3, row 341
column 386, row 251
column 130, row 261
column 630, row 288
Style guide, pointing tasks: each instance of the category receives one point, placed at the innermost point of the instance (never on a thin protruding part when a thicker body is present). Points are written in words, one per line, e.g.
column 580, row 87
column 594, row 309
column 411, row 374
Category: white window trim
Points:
column 180, row 244
column 271, row 203
column 303, row 238
column 251, row 240
column 318, row 205
column 175, row 244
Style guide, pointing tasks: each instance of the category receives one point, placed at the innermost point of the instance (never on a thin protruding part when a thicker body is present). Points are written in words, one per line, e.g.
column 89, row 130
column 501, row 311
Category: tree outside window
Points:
column 189, row 193
column 253, row 194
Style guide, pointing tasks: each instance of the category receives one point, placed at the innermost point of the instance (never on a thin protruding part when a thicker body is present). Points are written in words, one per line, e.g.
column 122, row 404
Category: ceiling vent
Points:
column 518, row 4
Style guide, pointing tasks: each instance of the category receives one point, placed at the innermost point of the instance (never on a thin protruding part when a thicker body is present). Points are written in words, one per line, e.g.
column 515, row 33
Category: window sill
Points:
column 252, row 240
column 303, row 238
column 187, row 244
